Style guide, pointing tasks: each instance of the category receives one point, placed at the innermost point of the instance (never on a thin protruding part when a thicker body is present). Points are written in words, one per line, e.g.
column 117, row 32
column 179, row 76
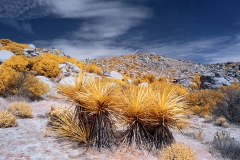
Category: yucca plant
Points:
column 133, row 109
column 95, row 101
column 98, row 102
column 167, row 111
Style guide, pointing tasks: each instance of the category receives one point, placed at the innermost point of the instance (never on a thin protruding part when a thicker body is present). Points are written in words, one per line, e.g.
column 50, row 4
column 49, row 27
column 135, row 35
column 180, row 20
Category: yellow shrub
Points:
column 7, row 119
column 16, row 48
column 196, row 82
column 221, row 121
column 149, row 77
column 20, row 83
column 177, row 151
column 18, row 63
column 92, row 68
column 20, row 109
column 202, row 101
column 46, row 67
column 162, row 79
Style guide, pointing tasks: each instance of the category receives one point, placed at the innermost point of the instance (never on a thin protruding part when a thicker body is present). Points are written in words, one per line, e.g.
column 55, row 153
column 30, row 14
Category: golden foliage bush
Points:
column 177, row 151
column 7, row 119
column 196, row 82
column 92, row 68
column 162, row 79
column 18, row 63
column 20, row 109
column 221, row 121
column 21, row 84
column 47, row 67
column 202, row 102
column 16, row 48
column 149, row 77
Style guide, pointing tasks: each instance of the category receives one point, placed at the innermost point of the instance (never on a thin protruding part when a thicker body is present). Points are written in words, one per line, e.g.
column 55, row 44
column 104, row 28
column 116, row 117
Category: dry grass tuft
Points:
column 221, row 121
column 62, row 121
column 199, row 135
column 177, row 151
column 20, row 109
column 7, row 119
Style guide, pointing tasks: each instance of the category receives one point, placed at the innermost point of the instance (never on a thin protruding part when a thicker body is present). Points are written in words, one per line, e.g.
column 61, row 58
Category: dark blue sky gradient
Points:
column 205, row 31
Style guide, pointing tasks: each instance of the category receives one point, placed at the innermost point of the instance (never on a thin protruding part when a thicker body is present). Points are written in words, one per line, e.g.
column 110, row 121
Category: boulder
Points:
column 62, row 66
column 74, row 67
column 65, row 72
column 144, row 84
column 116, row 75
column 4, row 55
column 32, row 46
column 49, row 82
column 68, row 80
column 209, row 81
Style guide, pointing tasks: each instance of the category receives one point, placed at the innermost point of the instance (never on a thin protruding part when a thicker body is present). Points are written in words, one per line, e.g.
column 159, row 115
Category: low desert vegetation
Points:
column 63, row 122
column 16, row 48
column 177, row 151
column 223, row 102
column 92, row 68
column 147, row 114
column 7, row 119
column 20, row 109
column 221, row 121
column 226, row 145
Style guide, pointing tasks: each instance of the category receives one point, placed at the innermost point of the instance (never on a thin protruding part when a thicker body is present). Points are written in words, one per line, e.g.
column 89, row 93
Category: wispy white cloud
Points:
column 207, row 50
column 82, row 50
column 106, row 19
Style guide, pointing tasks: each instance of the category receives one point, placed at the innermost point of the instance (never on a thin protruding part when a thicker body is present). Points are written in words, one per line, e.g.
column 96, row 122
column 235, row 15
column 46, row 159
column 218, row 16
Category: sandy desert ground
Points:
column 29, row 140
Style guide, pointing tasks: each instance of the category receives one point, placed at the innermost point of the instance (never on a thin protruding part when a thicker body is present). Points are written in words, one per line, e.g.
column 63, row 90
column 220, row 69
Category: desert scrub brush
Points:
column 167, row 110
column 177, row 151
column 20, row 109
column 133, row 108
column 7, row 119
column 62, row 121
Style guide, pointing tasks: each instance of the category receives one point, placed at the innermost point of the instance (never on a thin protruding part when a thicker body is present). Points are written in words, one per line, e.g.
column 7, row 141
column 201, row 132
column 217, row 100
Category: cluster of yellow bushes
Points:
column 16, row 48
column 15, row 109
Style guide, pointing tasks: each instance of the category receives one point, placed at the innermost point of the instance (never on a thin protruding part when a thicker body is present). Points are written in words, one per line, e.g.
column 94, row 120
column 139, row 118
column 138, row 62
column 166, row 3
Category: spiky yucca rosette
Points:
column 95, row 101
column 98, row 100
column 148, row 114
column 167, row 111
column 133, row 108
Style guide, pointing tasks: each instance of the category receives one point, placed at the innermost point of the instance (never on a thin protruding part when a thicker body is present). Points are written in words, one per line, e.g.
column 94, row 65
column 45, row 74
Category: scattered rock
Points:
column 144, row 84
column 114, row 74
column 74, row 67
column 4, row 55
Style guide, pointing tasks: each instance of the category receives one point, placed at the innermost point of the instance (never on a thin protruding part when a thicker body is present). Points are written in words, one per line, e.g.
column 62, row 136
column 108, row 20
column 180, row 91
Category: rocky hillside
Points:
column 131, row 67
column 176, row 70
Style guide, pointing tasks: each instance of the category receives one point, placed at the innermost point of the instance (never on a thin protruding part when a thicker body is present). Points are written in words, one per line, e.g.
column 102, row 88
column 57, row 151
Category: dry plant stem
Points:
column 138, row 136
column 162, row 136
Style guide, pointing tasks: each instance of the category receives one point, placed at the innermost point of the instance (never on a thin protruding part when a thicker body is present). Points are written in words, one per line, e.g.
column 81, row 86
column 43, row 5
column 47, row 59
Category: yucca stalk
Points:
column 168, row 111
column 133, row 108
column 98, row 103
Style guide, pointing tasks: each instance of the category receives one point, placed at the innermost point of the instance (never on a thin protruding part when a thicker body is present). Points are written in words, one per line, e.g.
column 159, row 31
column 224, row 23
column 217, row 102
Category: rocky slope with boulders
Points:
column 176, row 70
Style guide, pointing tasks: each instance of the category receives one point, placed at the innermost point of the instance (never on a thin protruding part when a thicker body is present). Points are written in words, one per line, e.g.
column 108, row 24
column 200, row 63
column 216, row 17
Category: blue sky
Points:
column 205, row 31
